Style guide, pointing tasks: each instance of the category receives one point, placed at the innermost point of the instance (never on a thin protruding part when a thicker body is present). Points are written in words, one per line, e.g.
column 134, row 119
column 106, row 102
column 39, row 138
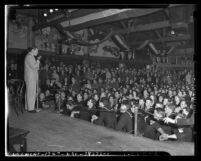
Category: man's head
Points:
column 141, row 102
column 169, row 109
column 42, row 96
column 33, row 51
column 47, row 93
column 183, row 104
column 186, row 111
column 148, row 103
column 165, row 101
column 96, row 97
column 90, row 103
column 125, row 105
column 104, row 102
column 79, row 97
column 158, row 113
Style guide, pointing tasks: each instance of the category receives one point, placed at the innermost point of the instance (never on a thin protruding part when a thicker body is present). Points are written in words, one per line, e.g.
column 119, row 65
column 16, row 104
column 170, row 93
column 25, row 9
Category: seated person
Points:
column 48, row 95
column 125, row 122
column 185, row 125
column 69, row 108
column 158, row 127
column 107, row 116
column 148, row 112
column 86, row 113
column 53, row 87
column 79, row 100
column 41, row 102
column 60, row 101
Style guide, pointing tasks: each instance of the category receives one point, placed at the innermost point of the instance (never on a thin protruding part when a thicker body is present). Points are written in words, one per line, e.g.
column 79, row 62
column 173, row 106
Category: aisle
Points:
column 50, row 131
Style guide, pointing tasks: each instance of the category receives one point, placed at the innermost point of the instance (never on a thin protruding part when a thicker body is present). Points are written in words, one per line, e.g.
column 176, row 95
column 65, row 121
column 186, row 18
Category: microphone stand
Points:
column 37, row 109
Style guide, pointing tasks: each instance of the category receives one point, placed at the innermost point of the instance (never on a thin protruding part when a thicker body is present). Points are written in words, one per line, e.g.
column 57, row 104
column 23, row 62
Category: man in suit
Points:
column 31, row 67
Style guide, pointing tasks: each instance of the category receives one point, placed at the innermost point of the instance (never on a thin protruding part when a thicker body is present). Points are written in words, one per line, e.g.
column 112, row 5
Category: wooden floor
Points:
column 51, row 131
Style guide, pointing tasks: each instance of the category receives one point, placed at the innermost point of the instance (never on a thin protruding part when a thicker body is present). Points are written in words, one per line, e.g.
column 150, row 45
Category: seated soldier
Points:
column 70, row 105
column 107, row 116
column 148, row 112
column 85, row 113
column 185, row 125
column 69, row 108
column 125, row 122
column 158, row 127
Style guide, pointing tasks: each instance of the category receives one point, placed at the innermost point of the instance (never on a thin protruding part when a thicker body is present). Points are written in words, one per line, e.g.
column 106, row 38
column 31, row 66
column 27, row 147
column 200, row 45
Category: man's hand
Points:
column 163, row 137
column 152, row 122
column 169, row 120
column 73, row 113
column 94, row 117
column 39, row 57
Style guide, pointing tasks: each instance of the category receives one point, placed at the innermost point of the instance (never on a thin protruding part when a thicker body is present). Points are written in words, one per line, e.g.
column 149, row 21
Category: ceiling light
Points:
column 56, row 9
column 172, row 32
column 45, row 14
column 51, row 10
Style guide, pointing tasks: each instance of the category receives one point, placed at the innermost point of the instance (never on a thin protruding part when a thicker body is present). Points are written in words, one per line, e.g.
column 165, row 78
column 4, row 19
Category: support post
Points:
column 136, row 113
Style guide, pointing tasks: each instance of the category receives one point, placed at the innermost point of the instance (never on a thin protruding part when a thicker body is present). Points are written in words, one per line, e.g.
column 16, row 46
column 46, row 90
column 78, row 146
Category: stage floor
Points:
column 50, row 131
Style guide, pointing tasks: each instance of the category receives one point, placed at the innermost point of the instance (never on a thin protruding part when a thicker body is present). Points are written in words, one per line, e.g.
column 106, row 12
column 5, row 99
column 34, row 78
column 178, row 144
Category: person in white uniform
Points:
column 31, row 67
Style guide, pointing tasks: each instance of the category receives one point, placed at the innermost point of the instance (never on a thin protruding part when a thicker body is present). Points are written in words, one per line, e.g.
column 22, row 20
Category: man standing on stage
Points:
column 31, row 67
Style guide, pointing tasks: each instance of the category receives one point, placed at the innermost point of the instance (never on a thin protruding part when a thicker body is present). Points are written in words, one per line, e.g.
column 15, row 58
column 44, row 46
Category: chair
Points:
column 17, row 136
column 17, row 85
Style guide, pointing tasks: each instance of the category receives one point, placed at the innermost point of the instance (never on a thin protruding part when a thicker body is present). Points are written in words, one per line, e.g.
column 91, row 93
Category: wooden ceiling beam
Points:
column 168, row 39
column 61, row 17
column 148, row 27
column 60, row 30
column 123, row 25
column 117, row 17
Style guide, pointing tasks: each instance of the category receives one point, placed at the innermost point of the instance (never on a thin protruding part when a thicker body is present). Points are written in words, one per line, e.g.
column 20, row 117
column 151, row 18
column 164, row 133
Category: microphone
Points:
column 39, row 57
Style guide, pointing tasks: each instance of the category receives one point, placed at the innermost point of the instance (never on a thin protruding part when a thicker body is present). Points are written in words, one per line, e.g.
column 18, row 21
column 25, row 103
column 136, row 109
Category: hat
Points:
column 159, row 105
column 135, row 102
column 171, row 106
column 127, row 103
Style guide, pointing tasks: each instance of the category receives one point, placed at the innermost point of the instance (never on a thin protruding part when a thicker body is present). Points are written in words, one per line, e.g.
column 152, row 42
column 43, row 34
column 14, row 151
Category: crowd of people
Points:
column 111, row 97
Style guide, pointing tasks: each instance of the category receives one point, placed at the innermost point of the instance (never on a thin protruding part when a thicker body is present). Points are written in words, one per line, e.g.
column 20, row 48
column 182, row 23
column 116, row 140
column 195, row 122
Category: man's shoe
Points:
column 38, row 110
column 33, row 111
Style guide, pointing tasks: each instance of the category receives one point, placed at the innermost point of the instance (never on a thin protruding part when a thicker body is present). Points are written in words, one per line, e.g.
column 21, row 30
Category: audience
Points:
column 110, row 96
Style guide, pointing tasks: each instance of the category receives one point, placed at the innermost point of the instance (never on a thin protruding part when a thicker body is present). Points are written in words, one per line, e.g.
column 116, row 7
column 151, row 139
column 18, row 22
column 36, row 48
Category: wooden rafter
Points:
column 148, row 27
column 167, row 39
column 158, row 34
column 61, row 31
column 74, row 14
column 112, row 18
column 123, row 25
column 164, row 32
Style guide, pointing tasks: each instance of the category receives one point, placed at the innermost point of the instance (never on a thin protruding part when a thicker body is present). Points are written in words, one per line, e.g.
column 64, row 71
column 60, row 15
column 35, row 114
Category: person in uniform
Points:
column 107, row 116
column 185, row 124
column 31, row 67
column 125, row 122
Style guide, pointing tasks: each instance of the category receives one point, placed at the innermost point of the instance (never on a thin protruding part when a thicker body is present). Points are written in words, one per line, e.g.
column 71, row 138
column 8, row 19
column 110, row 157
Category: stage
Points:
column 50, row 131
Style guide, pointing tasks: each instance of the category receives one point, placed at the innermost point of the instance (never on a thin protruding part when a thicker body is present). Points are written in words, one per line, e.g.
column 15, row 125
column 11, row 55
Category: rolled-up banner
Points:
column 153, row 48
column 171, row 49
column 121, row 41
column 143, row 44
column 70, row 35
